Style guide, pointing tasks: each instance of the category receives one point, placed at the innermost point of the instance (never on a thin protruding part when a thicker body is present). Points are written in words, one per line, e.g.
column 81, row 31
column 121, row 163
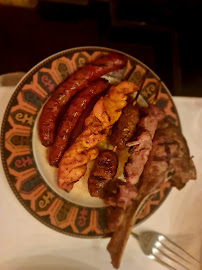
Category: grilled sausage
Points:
column 75, row 83
column 104, row 170
column 70, row 118
column 80, row 125
column 124, row 129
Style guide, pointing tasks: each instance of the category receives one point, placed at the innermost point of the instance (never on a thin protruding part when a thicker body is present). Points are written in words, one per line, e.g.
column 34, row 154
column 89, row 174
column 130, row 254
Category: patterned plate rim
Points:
column 9, row 106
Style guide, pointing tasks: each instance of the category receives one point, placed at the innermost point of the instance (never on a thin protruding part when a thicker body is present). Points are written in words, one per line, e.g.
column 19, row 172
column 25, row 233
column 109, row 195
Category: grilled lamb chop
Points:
column 169, row 160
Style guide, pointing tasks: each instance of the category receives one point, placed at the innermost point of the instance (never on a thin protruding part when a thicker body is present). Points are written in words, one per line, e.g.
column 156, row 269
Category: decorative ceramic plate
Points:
column 31, row 178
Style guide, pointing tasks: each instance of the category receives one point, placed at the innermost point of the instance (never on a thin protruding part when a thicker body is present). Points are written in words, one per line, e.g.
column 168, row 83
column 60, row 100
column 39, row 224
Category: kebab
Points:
column 124, row 128
column 141, row 146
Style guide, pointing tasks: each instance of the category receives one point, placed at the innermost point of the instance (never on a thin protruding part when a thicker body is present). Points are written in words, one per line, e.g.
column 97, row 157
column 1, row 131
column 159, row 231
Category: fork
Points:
column 161, row 249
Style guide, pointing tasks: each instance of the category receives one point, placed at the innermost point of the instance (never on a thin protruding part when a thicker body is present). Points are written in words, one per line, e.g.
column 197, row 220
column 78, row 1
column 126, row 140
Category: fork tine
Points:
column 172, row 259
column 180, row 248
column 166, row 247
column 156, row 258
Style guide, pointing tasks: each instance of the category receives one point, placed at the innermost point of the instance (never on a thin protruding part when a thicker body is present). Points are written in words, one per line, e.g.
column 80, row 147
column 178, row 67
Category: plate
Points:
column 24, row 159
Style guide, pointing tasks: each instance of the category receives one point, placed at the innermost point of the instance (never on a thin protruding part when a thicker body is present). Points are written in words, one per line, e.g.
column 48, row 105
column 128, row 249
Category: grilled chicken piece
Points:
column 79, row 154
column 105, row 113
column 169, row 160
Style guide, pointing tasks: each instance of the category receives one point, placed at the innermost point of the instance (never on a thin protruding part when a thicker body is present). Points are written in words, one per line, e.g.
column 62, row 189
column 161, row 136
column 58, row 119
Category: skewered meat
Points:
column 70, row 118
column 104, row 170
column 125, row 127
column 142, row 145
column 75, row 83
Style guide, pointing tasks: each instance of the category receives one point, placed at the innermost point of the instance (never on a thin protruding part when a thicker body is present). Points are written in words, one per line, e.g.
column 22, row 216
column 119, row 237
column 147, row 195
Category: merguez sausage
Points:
column 125, row 127
column 70, row 118
column 75, row 83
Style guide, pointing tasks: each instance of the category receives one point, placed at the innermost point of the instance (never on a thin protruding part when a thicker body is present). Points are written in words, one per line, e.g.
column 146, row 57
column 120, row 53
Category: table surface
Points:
column 27, row 244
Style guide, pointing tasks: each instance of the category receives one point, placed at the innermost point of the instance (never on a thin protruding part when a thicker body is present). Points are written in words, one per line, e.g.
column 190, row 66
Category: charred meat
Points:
column 125, row 127
column 142, row 143
column 104, row 170
column 169, row 160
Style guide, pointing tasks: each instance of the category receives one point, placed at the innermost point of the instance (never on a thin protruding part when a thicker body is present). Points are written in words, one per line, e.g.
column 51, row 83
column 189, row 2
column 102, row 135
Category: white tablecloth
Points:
column 27, row 244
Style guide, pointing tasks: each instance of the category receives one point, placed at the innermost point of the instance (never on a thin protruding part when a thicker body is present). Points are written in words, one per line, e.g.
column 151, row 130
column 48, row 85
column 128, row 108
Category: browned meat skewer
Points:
column 170, row 160
column 142, row 144
column 124, row 129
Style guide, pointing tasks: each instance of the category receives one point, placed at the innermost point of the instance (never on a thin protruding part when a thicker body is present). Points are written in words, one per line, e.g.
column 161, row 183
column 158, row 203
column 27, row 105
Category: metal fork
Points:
column 161, row 249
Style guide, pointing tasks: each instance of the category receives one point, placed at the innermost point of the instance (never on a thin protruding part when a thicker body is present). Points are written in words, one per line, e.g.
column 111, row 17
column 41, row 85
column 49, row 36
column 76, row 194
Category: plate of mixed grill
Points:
column 91, row 144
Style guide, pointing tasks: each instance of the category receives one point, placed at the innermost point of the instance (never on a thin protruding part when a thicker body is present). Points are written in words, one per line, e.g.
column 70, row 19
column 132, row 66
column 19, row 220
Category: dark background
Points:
column 164, row 34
